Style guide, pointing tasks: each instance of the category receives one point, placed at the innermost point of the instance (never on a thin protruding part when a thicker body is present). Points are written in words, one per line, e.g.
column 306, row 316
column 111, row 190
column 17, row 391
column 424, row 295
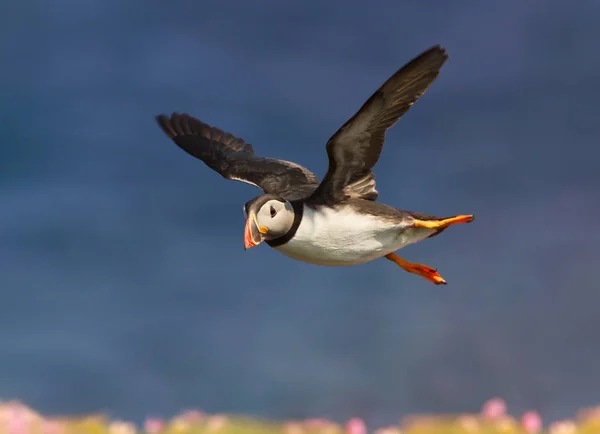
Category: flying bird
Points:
column 335, row 222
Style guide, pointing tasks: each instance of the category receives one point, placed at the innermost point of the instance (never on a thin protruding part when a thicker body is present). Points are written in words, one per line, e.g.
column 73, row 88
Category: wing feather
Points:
column 234, row 158
column 355, row 148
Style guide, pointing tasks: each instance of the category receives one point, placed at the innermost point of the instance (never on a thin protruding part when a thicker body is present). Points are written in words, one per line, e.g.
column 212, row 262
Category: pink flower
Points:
column 121, row 427
column 566, row 426
column 192, row 416
column 216, row 422
column 293, row 428
column 494, row 409
column 154, row 425
column 388, row 430
column 468, row 422
column 356, row 426
column 52, row 427
column 317, row 422
column 17, row 426
column 531, row 422
column 19, row 418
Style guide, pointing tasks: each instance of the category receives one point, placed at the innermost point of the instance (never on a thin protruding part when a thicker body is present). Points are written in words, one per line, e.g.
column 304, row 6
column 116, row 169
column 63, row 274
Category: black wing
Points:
column 355, row 148
column 235, row 159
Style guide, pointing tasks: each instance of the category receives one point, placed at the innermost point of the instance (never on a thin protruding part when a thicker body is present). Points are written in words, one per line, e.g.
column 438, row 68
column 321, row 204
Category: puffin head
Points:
column 267, row 217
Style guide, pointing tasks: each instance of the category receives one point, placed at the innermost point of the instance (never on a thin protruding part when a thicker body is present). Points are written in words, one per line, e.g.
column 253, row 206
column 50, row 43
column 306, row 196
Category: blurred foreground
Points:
column 16, row 418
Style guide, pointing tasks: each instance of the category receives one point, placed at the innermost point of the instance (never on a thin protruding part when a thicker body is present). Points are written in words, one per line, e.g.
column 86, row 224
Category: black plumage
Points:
column 235, row 159
column 353, row 150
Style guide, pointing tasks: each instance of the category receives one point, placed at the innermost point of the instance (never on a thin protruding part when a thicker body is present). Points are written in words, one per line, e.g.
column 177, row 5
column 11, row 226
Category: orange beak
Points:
column 253, row 233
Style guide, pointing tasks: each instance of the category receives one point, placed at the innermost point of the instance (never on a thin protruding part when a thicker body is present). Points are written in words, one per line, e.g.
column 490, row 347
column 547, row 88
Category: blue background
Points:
column 124, row 285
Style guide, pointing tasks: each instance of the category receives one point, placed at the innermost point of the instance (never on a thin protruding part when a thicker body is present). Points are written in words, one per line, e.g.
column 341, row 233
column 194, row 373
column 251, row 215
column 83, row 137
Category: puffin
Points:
column 337, row 221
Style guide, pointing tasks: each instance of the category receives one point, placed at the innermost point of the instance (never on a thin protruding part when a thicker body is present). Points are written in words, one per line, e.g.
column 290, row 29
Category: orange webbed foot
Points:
column 428, row 273
column 424, row 271
column 443, row 223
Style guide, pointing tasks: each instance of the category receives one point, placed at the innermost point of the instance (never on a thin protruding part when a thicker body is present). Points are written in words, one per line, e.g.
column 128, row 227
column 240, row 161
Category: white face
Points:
column 277, row 217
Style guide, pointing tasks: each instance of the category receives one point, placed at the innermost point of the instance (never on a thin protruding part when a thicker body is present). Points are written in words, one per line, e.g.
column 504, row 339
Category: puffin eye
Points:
column 273, row 212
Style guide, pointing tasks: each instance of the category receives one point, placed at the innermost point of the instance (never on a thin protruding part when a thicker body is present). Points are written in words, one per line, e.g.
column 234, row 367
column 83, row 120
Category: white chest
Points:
column 340, row 237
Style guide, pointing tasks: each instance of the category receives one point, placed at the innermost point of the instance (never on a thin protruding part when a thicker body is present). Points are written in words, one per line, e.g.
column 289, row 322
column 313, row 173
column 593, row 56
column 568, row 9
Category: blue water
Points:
column 124, row 286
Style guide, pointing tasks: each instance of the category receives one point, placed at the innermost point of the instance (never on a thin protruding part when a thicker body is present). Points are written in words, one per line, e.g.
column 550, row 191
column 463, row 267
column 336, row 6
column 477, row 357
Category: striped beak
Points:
column 253, row 233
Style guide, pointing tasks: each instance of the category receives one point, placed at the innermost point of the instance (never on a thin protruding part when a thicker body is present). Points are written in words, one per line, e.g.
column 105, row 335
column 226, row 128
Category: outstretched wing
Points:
column 235, row 159
column 355, row 148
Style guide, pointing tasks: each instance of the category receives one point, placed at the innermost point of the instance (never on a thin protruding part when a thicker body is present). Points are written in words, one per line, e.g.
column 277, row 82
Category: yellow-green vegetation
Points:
column 16, row 418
